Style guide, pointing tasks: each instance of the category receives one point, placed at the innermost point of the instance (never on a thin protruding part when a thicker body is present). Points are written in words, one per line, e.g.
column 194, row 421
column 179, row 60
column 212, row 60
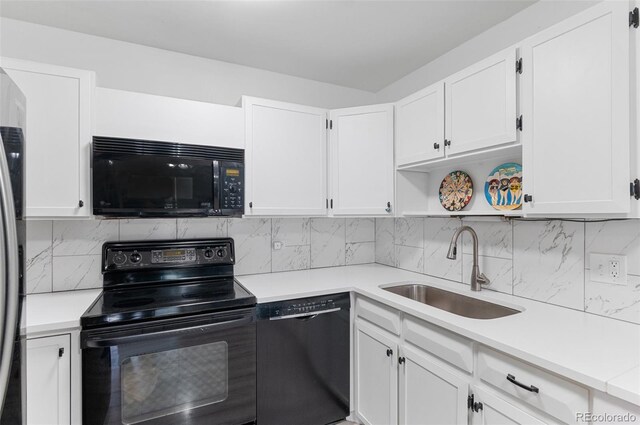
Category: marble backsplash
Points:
column 66, row 255
column 546, row 260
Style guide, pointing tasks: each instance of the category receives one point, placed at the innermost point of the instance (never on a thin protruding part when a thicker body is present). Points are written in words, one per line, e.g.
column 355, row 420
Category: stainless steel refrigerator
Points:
column 12, row 250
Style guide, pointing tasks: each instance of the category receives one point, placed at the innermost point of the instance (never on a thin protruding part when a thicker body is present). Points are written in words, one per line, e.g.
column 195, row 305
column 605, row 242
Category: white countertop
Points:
column 595, row 351
column 586, row 348
column 626, row 386
column 57, row 311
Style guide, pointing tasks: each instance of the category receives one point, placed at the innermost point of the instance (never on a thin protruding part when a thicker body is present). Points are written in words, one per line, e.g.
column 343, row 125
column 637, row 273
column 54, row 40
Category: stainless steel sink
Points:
column 451, row 301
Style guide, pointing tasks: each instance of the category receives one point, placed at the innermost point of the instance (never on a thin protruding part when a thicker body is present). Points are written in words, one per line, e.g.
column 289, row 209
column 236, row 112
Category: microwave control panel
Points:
column 232, row 182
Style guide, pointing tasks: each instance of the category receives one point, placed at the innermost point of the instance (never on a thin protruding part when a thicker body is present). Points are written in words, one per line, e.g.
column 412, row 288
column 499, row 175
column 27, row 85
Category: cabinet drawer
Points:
column 441, row 343
column 378, row 314
column 555, row 396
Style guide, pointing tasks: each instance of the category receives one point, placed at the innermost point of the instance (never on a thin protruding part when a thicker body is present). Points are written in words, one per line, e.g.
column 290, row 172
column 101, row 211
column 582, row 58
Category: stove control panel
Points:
column 131, row 255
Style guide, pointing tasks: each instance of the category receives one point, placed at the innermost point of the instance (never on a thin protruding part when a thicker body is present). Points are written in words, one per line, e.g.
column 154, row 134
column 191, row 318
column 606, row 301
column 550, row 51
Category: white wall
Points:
column 531, row 20
column 133, row 67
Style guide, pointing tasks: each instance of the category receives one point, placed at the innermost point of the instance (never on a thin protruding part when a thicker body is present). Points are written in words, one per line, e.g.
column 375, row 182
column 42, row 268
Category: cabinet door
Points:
column 49, row 380
column 286, row 151
column 420, row 126
column 575, row 136
column 481, row 104
column 58, row 137
column 361, row 167
column 430, row 393
column 143, row 116
column 376, row 376
column 496, row 411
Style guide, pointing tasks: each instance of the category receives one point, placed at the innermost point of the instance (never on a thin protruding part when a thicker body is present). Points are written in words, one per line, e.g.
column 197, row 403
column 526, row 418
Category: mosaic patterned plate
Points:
column 456, row 191
column 503, row 188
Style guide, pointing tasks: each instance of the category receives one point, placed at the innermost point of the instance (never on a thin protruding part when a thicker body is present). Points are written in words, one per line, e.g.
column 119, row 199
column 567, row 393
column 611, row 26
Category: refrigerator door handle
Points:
column 11, row 313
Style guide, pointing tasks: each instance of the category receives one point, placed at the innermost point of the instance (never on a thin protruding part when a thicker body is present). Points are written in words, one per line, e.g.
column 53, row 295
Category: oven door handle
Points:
column 100, row 342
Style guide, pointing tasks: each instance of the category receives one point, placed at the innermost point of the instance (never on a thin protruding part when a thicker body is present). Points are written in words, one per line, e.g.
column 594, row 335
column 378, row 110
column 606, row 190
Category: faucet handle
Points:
column 483, row 280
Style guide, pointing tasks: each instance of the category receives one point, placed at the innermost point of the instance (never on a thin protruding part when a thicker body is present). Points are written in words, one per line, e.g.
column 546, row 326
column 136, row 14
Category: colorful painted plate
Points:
column 503, row 188
column 456, row 191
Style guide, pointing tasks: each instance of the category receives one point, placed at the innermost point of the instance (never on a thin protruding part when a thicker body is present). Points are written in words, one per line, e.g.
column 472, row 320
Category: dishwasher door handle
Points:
column 306, row 315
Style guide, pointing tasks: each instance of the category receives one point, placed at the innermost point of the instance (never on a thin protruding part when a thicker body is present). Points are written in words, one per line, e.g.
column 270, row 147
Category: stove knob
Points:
column 221, row 253
column 135, row 258
column 208, row 253
column 119, row 259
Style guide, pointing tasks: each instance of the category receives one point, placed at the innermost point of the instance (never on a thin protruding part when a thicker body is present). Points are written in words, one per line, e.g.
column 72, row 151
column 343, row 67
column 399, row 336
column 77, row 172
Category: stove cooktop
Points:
column 150, row 280
column 123, row 306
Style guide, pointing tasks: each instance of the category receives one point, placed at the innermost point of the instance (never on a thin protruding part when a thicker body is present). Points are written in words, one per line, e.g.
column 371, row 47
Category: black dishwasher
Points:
column 303, row 361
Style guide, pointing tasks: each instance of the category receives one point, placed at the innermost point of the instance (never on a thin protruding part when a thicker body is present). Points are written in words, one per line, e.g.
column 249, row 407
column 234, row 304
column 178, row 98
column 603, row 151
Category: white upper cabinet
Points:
column 481, row 104
column 58, row 137
column 420, row 126
column 361, row 160
column 148, row 117
column 286, row 151
column 575, row 104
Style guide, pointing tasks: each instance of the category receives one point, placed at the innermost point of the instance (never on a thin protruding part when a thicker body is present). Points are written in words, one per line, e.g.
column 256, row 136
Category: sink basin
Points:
column 451, row 301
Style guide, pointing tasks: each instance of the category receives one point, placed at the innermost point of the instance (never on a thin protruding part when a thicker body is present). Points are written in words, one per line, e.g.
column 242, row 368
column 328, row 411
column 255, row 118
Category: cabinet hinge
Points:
column 473, row 405
column 519, row 123
column 635, row 188
column 60, row 352
column 519, row 66
column 634, row 18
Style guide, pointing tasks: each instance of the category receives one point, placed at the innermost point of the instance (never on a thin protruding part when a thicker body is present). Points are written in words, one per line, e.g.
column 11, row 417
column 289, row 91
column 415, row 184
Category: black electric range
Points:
column 171, row 339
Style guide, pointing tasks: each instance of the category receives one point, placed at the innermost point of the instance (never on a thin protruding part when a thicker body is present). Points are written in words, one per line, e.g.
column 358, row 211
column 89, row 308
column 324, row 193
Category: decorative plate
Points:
column 456, row 190
column 503, row 188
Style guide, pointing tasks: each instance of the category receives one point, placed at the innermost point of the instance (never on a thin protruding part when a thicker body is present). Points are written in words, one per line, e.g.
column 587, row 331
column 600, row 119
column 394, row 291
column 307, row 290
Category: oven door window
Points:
column 165, row 383
column 152, row 183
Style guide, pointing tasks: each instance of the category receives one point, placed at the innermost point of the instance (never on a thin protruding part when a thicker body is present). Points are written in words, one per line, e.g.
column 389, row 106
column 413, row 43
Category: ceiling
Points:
column 360, row 44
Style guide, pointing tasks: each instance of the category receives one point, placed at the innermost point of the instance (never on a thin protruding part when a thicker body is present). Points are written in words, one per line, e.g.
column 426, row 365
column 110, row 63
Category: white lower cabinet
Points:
column 411, row 372
column 49, row 380
column 488, row 409
column 430, row 393
column 376, row 375
column 397, row 383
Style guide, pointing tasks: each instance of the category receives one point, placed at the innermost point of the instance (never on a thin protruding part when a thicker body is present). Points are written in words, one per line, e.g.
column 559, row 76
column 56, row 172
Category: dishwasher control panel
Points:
column 304, row 306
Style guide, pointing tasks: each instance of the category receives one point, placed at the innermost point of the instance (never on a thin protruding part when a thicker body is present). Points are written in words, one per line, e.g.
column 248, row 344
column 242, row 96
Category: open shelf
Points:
column 464, row 213
column 514, row 150
column 417, row 190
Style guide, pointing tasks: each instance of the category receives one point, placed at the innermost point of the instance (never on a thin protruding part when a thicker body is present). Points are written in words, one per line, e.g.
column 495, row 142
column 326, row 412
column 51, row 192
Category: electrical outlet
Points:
column 277, row 245
column 609, row 268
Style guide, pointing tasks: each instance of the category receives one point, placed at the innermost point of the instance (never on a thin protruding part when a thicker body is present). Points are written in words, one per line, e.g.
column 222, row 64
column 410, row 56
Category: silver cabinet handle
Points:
column 10, row 247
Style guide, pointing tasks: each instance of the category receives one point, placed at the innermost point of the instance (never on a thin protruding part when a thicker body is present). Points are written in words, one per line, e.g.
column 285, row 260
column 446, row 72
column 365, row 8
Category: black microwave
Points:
column 140, row 178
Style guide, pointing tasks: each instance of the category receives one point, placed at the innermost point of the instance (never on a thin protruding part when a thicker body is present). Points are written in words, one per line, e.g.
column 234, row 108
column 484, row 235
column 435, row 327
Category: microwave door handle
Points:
column 216, row 185
column 100, row 342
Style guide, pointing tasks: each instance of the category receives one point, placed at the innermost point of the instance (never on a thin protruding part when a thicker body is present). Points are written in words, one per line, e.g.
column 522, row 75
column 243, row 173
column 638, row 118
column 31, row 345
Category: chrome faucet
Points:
column 477, row 278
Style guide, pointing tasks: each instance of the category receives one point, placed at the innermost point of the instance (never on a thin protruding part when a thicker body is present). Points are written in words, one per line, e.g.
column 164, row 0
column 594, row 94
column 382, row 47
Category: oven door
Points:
column 190, row 371
column 150, row 185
